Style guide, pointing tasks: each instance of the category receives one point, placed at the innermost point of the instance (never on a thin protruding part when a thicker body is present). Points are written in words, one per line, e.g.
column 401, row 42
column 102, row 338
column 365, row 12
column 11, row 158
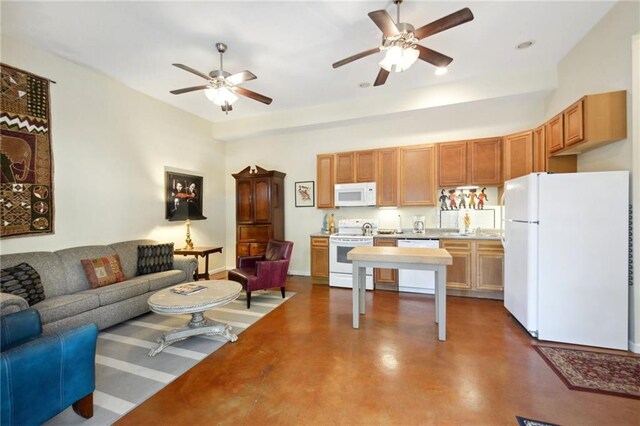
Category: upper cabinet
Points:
column 473, row 162
column 542, row 163
column 518, row 154
column 485, row 161
column 325, row 179
column 590, row 122
column 366, row 165
column 345, row 167
column 452, row 164
column 356, row 166
column 387, row 181
column 417, row 175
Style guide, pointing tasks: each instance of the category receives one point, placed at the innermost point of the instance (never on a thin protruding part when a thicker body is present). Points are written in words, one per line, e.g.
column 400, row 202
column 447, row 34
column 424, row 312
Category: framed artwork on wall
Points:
column 183, row 197
column 305, row 196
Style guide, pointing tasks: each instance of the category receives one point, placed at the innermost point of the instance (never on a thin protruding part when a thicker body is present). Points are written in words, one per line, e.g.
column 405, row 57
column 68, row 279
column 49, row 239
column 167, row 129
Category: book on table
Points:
column 187, row 289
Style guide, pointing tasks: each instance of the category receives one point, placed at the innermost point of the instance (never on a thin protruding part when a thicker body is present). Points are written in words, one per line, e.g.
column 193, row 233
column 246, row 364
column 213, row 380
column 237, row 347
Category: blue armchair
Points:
column 40, row 376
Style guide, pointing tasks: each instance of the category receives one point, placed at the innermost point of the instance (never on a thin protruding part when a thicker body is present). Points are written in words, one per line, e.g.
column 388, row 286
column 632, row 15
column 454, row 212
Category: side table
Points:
column 203, row 252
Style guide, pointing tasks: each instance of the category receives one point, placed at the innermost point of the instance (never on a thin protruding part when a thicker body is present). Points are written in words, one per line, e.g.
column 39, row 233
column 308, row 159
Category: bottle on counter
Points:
column 332, row 224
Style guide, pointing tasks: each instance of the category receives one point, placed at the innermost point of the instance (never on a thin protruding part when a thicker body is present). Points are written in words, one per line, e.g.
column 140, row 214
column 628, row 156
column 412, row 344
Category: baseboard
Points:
column 301, row 273
column 634, row 347
column 215, row 271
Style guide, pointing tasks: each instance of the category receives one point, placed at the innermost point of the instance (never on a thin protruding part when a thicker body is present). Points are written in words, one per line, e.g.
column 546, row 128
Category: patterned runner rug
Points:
column 126, row 375
column 610, row 374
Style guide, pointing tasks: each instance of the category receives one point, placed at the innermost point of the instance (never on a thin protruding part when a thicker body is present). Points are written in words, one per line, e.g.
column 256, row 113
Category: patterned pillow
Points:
column 24, row 281
column 103, row 271
column 156, row 258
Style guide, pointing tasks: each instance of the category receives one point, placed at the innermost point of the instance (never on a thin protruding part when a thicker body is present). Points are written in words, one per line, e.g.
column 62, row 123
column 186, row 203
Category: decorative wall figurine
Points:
column 452, row 199
column 443, row 200
column 462, row 202
column 481, row 199
column 472, row 198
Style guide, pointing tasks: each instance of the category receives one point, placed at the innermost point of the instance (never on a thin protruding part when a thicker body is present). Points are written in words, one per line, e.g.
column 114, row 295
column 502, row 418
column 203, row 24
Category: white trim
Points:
column 634, row 347
column 634, row 291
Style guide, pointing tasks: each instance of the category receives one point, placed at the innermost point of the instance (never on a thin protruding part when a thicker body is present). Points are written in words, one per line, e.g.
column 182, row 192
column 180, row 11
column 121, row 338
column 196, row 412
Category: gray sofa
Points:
column 70, row 301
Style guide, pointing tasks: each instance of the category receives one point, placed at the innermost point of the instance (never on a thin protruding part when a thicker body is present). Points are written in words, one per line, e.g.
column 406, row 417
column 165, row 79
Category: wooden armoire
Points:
column 259, row 209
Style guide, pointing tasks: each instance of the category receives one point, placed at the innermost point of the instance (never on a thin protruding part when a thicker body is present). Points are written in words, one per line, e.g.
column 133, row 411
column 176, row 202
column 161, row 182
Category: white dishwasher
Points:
column 414, row 281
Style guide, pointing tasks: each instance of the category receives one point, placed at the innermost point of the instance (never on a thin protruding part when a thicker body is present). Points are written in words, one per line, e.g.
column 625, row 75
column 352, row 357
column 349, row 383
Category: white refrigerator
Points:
column 566, row 243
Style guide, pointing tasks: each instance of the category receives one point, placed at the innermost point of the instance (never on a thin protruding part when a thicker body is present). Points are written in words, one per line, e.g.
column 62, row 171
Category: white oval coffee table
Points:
column 216, row 293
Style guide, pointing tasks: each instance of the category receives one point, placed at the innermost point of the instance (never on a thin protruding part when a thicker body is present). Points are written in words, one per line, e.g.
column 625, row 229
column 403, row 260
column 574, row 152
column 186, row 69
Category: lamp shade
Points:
column 398, row 59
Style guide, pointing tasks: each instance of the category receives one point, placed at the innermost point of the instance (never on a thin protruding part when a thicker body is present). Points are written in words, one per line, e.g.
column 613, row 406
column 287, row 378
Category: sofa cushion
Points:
column 24, row 281
column 160, row 280
column 48, row 266
column 59, row 307
column 71, row 258
column 120, row 291
column 155, row 258
column 128, row 252
column 103, row 271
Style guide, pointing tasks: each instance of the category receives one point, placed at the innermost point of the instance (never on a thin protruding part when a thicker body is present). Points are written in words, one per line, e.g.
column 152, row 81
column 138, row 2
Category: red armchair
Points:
column 266, row 271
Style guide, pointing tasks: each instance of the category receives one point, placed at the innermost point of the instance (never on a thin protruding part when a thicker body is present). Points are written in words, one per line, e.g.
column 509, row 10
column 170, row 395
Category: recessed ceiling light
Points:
column 364, row 85
column 441, row 70
column 525, row 44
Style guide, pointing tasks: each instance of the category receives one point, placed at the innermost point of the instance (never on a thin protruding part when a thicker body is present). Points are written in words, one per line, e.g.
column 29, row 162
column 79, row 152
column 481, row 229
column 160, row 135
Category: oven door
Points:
column 338, row 249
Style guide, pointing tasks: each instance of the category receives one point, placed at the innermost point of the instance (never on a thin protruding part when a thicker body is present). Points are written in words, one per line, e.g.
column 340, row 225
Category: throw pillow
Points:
column 155, row 258
column 103, row 271
column 24, row 281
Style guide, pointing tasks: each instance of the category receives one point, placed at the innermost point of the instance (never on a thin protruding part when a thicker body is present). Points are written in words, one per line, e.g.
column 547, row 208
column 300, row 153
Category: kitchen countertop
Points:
column 437, row 234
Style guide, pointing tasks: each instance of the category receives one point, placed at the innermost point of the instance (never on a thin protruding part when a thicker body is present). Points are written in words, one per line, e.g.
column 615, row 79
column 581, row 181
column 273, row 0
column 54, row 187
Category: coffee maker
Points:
column 418, row 224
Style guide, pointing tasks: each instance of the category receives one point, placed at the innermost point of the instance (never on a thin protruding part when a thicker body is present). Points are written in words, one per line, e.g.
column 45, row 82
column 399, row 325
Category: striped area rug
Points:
column 126, row 375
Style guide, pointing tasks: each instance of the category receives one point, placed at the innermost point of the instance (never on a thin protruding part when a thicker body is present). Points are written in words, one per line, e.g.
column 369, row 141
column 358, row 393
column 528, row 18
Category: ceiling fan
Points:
column 400, row 42
column 223, row 87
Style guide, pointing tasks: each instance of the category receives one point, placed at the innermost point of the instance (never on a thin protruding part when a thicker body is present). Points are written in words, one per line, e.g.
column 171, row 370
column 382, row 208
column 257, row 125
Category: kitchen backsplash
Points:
column 489, row 217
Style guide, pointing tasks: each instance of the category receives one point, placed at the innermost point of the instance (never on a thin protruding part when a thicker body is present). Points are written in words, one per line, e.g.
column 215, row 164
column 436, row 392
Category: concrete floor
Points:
column 304, row 364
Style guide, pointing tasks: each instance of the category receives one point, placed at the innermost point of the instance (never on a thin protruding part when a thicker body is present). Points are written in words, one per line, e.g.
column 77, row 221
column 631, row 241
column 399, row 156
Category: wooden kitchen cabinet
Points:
column 345, row 167
column 384, row 278
column 325, row 180
column 320, row 259
column 590, row 122
column 518, row 154
column 477, row 269
column 485, row 161
column 387, row 178
column 542, row 163
column 259, row 209
column 366, row 165
column 452, row 164
column 417, row 175
column 459, row 272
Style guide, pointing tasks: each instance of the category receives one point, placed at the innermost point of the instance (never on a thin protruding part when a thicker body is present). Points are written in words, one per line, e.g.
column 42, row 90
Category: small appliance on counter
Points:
column 418, row 224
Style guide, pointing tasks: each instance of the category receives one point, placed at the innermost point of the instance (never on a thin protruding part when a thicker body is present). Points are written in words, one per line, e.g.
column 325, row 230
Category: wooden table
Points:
column 203, row 252
column 216, row 293
column 426, row 259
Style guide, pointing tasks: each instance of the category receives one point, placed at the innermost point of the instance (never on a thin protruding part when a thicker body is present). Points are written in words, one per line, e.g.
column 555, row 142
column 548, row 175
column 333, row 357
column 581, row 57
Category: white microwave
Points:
column 355, row 194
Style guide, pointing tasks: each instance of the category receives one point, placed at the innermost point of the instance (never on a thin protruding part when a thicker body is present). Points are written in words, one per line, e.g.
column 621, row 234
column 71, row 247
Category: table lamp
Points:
column 188, row 211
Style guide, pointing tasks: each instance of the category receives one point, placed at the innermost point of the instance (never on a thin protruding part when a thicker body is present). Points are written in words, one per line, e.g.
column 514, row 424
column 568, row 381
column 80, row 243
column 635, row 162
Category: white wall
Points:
column 295, row 155
column 111, row 145
column 600, row 62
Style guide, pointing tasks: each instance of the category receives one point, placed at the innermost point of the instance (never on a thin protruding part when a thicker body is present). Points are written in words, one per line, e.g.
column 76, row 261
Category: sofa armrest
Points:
column 187, row 264
column 18, row 328
column 10, row 303
column 248, row 261
column 55, row 370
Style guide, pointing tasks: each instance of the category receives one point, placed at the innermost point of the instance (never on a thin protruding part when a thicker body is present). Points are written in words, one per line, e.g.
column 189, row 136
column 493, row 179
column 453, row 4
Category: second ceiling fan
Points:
column 400, row 42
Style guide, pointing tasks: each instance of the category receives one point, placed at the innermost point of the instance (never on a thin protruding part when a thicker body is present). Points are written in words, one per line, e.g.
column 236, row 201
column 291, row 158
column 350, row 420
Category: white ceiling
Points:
column 290, row 45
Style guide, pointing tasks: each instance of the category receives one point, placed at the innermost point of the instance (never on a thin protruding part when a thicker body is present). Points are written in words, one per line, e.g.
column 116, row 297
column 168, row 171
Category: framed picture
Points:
column 305, row 196
column 183, row 197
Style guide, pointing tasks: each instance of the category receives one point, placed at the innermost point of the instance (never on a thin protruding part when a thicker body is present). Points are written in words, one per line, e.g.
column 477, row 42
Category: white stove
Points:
column 351, row 233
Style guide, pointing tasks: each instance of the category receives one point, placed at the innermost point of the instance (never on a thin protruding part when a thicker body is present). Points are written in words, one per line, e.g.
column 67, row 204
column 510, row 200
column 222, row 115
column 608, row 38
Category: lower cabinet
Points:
column 477, row 269
column 320, row 259
column 383, row 278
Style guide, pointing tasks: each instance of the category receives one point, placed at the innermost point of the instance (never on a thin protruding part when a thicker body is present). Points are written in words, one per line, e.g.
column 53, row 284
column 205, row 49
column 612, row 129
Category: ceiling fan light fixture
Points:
column 221, row 95
column 399, row 59
column 441, row 70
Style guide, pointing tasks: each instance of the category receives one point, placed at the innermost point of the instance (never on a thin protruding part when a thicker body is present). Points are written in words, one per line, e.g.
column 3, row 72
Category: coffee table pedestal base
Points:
column 198, row 325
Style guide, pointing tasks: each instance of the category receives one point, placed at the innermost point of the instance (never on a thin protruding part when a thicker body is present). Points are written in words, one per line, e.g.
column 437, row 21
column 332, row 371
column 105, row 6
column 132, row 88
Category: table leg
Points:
column 362, row 285
column 198, row 325
column 355, row 293
column 436, row 296
column 196, row 274
column 206, row 266
column 441, row 277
